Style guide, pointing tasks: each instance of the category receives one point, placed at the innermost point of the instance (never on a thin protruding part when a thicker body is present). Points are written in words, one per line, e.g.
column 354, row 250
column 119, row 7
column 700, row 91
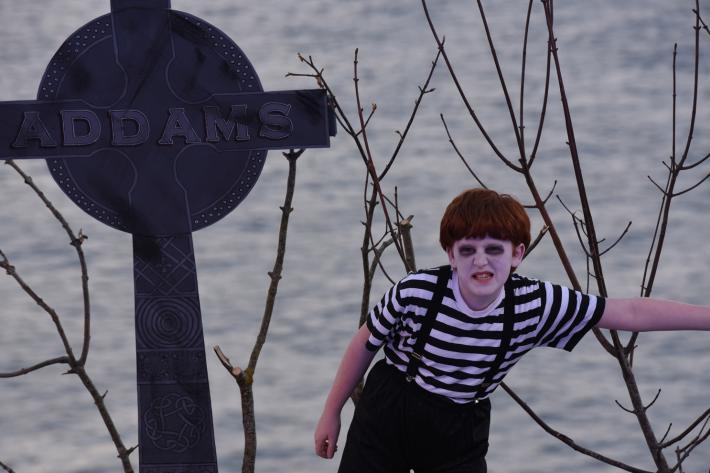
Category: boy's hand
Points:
column 326, row 436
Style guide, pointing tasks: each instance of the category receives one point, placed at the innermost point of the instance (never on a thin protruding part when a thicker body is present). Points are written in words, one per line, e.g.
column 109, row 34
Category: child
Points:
column 452, row 333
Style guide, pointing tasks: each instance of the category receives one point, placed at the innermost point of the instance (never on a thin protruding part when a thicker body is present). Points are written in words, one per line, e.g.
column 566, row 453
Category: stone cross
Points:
column 155, row 123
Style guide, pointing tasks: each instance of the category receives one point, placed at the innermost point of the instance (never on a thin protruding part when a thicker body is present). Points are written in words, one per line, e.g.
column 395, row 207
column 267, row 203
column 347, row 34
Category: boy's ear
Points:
column 518, row 253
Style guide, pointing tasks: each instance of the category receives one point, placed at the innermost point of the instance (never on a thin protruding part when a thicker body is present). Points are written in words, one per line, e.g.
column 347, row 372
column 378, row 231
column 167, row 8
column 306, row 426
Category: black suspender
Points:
column 508, row 318
column 416, row 357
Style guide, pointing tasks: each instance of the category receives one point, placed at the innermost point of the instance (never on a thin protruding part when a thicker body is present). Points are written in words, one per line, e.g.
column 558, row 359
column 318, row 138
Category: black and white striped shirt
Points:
column 463, row 343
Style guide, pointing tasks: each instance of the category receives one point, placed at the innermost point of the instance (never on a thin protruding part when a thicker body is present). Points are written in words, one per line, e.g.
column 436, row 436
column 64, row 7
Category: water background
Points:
column 616, row 59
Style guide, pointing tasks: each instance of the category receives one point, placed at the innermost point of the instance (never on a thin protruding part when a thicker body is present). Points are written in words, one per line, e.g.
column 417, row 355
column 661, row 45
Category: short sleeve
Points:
column 383, row 317
column 567, row 316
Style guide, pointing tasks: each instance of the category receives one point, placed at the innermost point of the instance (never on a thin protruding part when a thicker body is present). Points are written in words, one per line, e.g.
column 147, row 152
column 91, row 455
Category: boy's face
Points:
column 483, row 265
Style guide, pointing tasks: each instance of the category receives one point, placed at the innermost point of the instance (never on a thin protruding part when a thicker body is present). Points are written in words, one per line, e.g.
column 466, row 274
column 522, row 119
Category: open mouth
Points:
column 483, row 276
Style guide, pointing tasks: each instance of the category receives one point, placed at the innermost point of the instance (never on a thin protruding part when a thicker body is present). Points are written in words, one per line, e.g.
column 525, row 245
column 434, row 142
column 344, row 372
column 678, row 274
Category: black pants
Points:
column 399, row 426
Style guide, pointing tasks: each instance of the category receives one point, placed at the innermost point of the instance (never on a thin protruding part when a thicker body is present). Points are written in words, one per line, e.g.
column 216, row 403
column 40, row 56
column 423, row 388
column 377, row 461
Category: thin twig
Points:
column 623, row 234
column 370, row 162
column 378, row 251
column 676, row 167
column 76, row 366
column 543, row 110
column 695, row 164
column 275, row 273
column 405, row 229
column 76, row 241
column 684, row 452
column 504, row 87
column 24, row 371
column 364, row 250
column 679, row 193
column 705, row 26
column 245, row 378
column 586, row 209
column 463, row 159
column 423, row 90
column 565, row 439
column 6, row 468
column 521, row 113
column 454, row 77
column 12, row 272
column 702, row 418
column 543, row 231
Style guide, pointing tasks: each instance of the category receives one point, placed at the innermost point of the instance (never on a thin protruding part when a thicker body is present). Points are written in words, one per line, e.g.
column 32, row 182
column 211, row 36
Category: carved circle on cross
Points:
column 162, row 177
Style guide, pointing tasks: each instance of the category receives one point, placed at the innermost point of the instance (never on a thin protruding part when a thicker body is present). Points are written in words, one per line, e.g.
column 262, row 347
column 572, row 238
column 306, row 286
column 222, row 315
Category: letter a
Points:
column 178, row 125
column 33, row 128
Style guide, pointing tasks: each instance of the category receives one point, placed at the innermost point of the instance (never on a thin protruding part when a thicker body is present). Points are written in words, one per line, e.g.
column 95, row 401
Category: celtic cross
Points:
column 155, row 123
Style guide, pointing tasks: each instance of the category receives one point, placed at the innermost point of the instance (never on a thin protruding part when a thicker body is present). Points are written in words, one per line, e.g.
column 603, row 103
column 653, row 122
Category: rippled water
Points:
column 616, row 59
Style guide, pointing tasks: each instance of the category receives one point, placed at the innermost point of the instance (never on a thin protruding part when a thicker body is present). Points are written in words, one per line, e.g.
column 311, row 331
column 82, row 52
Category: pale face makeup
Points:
column 482, row 266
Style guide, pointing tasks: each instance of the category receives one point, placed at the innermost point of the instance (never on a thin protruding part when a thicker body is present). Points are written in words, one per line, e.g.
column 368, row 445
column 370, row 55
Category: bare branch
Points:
column 378, row 251
column 705, row 26
column 24, row 371
column 695, row 164
column 586, row 209
column 691, row 187
column 373, row 109
column 668, row 431
column 567, row 440
column 648, row 406
column 369, row 161
column 623, row 234
column 521, row 113
column 536, row 241
column 456, row 149
column 405, row 229
column 76, row 366
column 663, row 191
column 245, row 378
column 377, row 260
column 275, row 273
column 578, row 228
column 694, row 109
column 656, row 249
column 76, row 241
column 702, row 418
column 235, row 371
column 661, row 221
column 630, row 411
column 454, row 77
column 12, row 272
column 123, row 452
column 549, row 194
column 684, row 452
column 543, row 111
column 423, row 90
column 504, row 87
column 340, row 114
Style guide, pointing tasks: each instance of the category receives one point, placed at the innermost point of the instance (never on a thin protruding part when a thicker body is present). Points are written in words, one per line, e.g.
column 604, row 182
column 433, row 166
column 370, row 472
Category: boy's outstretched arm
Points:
column 352, row 368
column 645, row 315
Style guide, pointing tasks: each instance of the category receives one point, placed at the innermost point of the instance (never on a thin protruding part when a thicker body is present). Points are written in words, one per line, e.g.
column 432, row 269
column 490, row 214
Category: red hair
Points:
column 477, row 213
